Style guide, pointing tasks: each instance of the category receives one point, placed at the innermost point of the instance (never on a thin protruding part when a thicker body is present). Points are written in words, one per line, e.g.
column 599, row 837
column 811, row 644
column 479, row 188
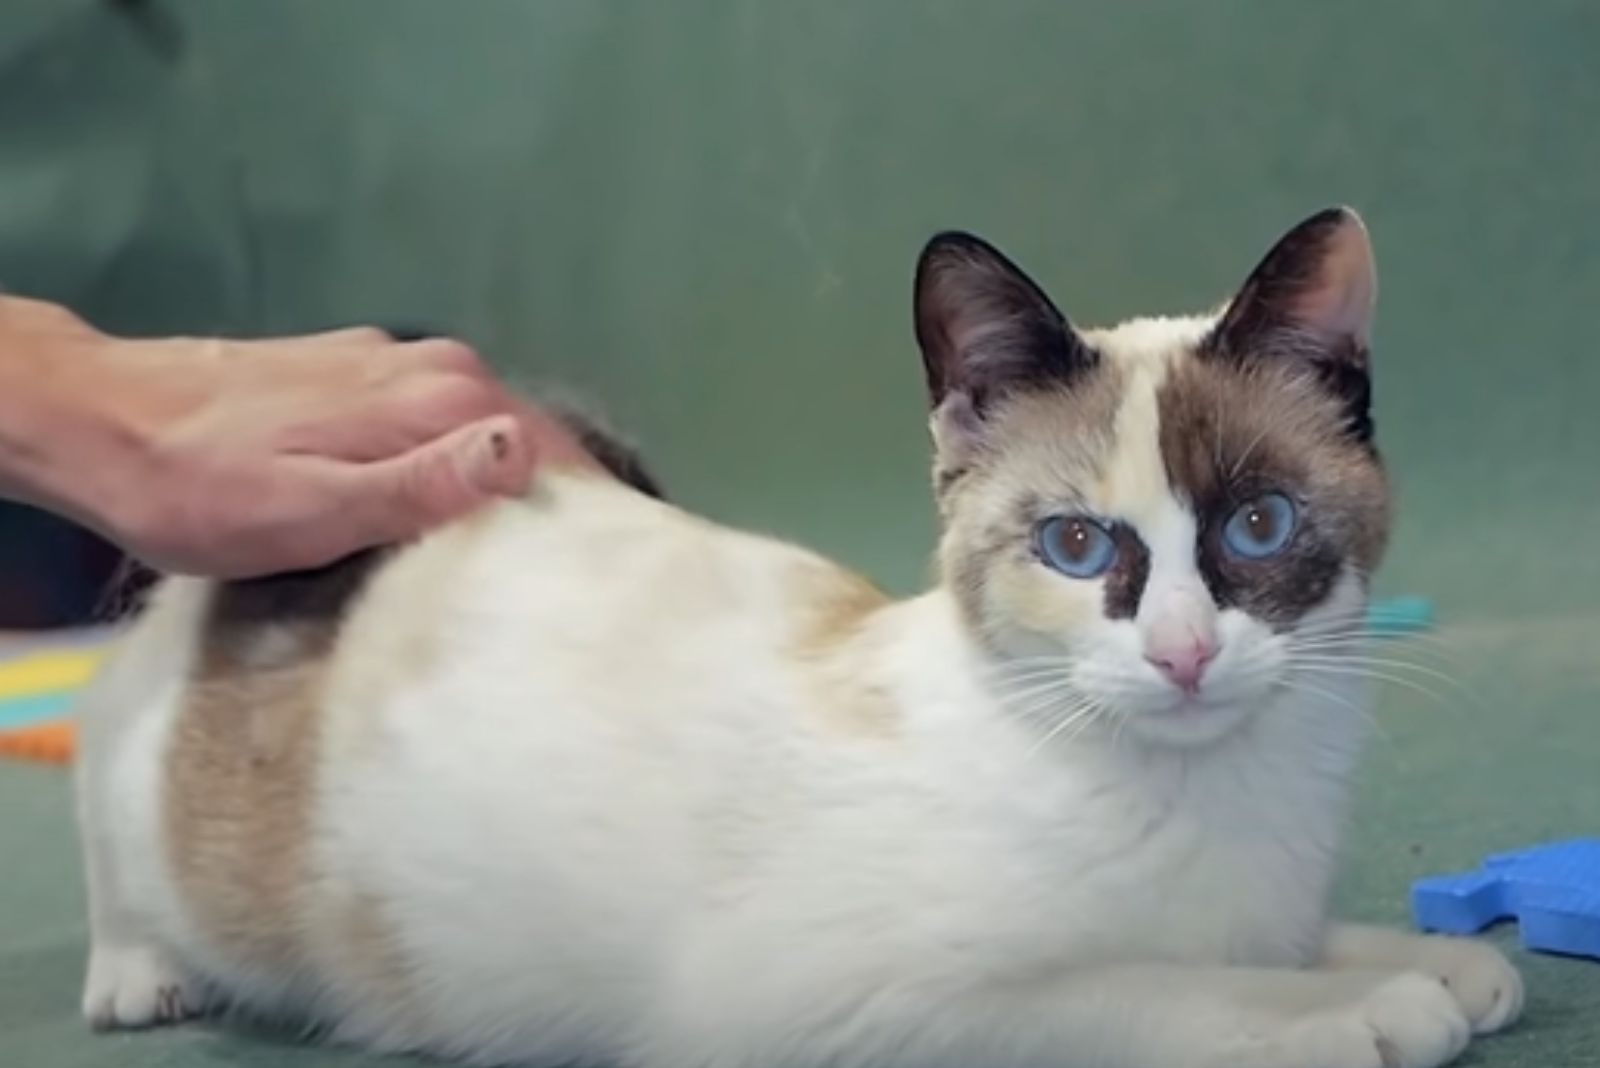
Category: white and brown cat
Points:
column 589, row 780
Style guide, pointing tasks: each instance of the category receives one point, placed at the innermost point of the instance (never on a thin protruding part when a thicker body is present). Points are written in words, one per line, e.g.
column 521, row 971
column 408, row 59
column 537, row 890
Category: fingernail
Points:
column 488, row 468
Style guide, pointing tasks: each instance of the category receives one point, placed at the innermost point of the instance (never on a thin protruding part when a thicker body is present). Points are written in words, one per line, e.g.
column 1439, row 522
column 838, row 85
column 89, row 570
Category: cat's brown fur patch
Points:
column 364, row 951
column 838, row 603
column 243, row 761
column 240, row 782
column 836, row 607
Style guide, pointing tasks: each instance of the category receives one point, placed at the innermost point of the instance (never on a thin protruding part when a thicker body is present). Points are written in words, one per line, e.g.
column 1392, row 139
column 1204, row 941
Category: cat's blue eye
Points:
column 1075, row 545
column 1260, row 528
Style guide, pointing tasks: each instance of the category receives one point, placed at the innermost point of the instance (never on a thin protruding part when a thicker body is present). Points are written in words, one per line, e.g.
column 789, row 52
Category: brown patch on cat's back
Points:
column 834, row 607
column 243, row 761
column 837, row 602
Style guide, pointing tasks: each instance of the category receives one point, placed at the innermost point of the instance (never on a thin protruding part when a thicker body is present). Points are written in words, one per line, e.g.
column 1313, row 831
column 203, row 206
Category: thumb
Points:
column 434, row 483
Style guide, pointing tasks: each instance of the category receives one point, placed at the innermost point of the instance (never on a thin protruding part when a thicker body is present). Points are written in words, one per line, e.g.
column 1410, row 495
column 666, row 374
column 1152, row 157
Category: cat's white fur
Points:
column 608, row 823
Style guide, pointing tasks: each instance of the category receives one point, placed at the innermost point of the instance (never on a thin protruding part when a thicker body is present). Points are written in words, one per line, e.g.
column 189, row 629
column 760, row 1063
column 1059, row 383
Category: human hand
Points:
column 239, row 458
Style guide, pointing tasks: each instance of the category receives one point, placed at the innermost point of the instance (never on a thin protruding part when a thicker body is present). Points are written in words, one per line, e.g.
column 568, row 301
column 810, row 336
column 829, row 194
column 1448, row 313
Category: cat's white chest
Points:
column 1098, row 865
column 1197, row 892
column 1100, row 852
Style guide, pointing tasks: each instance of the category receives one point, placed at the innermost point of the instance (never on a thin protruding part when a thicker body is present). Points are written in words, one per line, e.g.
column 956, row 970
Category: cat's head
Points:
column 1157, row 515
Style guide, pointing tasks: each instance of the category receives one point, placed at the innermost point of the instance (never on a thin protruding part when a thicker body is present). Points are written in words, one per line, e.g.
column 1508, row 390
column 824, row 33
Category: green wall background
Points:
column 704, row 215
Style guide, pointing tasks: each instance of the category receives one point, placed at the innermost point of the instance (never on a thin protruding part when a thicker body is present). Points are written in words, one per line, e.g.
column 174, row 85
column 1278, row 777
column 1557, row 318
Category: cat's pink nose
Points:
column 1184, row 664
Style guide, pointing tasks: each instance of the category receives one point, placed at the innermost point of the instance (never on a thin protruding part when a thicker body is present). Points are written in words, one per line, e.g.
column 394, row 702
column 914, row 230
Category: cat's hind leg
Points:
column 135, row 985
column 132, row 979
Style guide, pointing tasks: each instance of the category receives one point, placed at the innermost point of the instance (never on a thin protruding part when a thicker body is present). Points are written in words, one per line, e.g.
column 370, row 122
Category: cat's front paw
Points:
column 135, row 986
column 1409, row 1021
column 1484, row 982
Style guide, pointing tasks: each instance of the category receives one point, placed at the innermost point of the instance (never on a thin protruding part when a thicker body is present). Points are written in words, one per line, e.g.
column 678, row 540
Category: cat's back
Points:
column 584, row 612
column 590, row 588
column 594, row 632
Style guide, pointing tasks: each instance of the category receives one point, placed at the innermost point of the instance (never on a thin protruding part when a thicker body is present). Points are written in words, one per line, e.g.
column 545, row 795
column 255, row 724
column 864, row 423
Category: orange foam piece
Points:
column 47, row 743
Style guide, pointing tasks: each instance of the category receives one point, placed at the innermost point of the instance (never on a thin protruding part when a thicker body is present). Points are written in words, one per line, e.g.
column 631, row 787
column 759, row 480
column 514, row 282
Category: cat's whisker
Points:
column 1031, row 693
column 1080, row 713
column 1381, row 676
column 1101, row 712
column 1031, row 672
column 1121, row 720
column 1372, row 632
column 1035, row 689
column 1021, row 688
column 1022, row 676
column 1062, row 732
column 1049, row 708
column 1051, row 705
column 1420, row 642
column 1013, row 672
column 1056, row 656
column 1238, row 463
column 1005, row 665
column 1096, row 713
column 1024, row 694
column 1394, row 672
column 1375, row 628
column 1430, row 659
column 1391, row 663
column 1366, row 714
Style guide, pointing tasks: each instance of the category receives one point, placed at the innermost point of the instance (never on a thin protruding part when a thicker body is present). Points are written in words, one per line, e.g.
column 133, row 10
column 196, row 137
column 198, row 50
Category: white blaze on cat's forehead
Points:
column 1133, row 485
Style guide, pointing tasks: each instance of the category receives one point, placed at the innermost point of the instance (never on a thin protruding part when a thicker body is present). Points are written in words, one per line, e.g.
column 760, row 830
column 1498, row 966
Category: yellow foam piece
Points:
column 47, row 673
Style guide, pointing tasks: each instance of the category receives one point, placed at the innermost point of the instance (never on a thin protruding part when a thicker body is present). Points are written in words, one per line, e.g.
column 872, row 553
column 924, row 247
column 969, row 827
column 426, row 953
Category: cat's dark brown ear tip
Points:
column 1336, row 225
column 946, row 242
column 1302, row 243
column 983, row 325
column 1337, row 215
column 947, row 253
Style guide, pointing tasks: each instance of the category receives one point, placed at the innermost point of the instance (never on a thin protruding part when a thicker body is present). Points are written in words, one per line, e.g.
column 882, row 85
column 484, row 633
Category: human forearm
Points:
column 55, row 433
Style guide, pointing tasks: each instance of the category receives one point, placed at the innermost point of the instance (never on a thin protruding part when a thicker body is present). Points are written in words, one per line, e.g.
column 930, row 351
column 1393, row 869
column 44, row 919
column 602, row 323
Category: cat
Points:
column 586, row 779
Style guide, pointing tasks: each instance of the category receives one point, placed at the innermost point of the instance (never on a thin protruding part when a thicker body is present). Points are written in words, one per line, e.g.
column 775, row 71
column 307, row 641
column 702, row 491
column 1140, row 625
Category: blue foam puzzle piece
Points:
column 1551, row 890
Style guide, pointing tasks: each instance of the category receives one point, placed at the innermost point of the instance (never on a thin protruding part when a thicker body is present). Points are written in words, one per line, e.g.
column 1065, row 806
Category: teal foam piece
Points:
column 1397, row 616
column 33, row 709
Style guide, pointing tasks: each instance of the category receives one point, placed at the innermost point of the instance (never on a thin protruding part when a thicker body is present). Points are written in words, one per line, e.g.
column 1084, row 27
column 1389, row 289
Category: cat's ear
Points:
column 985, row 328
column 1314, row 293
column 1311, row 299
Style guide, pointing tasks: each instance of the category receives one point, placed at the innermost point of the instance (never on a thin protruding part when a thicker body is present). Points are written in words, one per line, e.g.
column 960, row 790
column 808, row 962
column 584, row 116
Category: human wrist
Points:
column 62, row 445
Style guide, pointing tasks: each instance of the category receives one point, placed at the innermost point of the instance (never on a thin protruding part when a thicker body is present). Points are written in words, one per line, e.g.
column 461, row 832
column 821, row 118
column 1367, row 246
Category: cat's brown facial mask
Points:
column 1169, row 506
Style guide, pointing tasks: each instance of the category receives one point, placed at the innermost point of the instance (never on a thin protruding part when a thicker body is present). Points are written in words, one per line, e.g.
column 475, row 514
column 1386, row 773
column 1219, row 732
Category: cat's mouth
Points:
column 1188, row 719
column 1194, row 723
